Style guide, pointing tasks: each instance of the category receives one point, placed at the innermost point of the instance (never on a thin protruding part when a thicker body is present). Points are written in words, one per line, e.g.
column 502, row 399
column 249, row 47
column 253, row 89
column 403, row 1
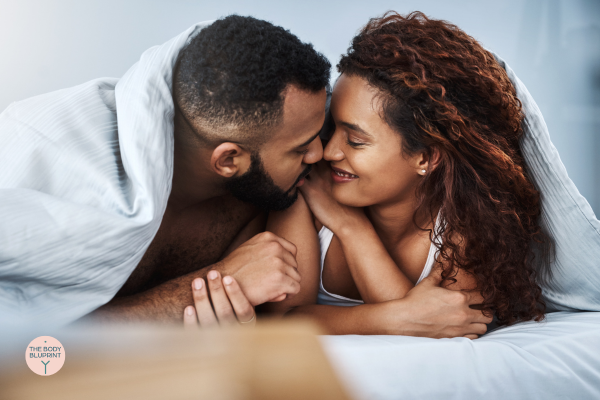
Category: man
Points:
column 247, row 117
column 134, row 189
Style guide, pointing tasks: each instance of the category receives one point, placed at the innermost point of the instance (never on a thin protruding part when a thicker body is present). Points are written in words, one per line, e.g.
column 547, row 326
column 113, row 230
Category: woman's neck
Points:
column 395, row 221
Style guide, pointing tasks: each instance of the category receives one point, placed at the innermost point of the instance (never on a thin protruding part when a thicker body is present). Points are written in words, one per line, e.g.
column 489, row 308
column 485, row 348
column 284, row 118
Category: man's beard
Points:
column 256, row 187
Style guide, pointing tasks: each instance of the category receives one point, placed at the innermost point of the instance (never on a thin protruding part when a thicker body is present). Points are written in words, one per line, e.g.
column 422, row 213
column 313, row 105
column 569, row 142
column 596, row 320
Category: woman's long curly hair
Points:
column 440, row 89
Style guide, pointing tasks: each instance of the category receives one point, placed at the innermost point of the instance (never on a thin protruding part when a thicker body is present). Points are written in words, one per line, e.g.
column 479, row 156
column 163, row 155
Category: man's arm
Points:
column 264, row 266
column 427, row 310
column 296, row 225
column 163, row 303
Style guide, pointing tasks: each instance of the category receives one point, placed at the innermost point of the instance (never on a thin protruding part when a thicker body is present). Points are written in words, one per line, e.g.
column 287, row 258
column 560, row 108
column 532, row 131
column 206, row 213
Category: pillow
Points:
column 573, row 281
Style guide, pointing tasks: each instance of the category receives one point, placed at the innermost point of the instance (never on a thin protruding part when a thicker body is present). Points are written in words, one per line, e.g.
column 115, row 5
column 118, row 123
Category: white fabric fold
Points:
column 85, row 174
column 567, row 217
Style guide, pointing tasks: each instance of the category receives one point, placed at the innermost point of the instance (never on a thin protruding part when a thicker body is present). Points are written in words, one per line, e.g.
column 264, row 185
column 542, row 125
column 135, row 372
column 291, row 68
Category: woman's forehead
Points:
column 356, row 102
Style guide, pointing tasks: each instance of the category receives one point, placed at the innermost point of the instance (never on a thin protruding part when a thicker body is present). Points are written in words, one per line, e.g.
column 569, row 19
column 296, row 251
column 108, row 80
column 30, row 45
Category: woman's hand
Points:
column 373, row 270
column 229, row 304
column 317, row 193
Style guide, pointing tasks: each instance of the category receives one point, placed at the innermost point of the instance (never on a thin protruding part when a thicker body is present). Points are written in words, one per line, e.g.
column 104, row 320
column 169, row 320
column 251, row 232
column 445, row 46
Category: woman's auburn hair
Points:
column 441, row 90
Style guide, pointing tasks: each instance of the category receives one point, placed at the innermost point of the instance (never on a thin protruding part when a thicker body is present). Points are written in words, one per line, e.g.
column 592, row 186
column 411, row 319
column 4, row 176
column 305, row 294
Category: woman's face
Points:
column 364, row 153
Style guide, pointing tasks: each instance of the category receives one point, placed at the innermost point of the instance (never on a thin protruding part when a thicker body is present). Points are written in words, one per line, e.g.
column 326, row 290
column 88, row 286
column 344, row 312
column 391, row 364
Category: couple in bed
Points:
column 210, row 180
column 421, row 180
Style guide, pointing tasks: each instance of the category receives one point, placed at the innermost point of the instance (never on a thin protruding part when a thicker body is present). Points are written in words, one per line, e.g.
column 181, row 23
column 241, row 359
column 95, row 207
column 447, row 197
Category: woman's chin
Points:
column 344, row 195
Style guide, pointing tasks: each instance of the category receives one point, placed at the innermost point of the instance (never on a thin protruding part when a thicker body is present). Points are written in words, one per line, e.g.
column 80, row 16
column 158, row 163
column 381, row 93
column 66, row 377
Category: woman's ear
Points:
column 428, row 160
column 229, row 159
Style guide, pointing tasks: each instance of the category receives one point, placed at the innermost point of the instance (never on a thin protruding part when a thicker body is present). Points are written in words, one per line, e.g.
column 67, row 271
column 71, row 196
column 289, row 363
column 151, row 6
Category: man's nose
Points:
column 315, row 152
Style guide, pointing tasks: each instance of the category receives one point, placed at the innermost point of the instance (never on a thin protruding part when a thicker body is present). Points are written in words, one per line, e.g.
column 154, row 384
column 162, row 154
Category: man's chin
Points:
column 279, row 202
column 257, row 188
column 283, row 204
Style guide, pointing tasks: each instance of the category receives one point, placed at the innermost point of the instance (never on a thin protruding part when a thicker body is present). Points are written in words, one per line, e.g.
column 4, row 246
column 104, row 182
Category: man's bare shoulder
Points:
column 190, row 240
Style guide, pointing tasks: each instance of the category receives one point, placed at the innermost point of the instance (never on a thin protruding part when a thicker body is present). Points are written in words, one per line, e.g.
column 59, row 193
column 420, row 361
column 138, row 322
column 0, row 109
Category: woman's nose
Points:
column 314, row 153
column 332, row 151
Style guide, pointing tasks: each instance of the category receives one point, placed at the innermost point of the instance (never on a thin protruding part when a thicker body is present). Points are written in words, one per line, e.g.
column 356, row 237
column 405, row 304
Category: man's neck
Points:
column 193, row 181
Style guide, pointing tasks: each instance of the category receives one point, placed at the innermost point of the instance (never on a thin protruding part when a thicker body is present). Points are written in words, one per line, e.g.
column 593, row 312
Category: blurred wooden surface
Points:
column 273, row 361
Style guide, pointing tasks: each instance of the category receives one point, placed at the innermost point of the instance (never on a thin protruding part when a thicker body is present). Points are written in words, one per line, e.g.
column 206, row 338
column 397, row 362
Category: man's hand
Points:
column 265, row 268
column 229, row 305
column 431, row 311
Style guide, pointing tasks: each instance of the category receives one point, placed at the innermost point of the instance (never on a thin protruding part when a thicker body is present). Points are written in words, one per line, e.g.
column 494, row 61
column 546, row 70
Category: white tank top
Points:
column 324, row 297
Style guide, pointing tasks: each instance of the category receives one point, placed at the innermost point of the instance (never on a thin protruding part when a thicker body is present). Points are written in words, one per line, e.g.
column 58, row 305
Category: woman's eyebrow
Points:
column 356, row 128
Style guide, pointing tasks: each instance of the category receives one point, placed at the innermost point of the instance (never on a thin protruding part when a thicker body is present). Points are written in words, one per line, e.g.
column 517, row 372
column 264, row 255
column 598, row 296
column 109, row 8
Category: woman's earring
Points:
column 423, row 170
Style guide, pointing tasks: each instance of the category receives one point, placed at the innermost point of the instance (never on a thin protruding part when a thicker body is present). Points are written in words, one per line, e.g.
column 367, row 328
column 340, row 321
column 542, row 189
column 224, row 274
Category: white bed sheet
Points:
column 555, row 359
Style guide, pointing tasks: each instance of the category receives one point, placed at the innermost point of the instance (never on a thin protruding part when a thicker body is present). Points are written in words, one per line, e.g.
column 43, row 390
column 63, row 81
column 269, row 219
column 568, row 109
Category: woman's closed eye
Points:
column 354, row 143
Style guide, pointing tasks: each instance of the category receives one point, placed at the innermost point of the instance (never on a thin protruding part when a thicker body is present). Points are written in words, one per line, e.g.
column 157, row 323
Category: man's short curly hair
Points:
column 230, row 80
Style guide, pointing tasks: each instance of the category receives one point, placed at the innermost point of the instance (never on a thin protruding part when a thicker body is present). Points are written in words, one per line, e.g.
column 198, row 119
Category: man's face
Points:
column 274, row 175
column 256, row 186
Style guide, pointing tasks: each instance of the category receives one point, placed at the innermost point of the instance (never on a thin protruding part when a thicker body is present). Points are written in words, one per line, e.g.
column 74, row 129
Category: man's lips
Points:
column 300, row 180
column 341, row 176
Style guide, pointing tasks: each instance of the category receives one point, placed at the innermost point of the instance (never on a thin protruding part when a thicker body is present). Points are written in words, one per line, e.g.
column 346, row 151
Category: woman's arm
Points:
column 427, row 310
column 296, row 225
column 373, row 270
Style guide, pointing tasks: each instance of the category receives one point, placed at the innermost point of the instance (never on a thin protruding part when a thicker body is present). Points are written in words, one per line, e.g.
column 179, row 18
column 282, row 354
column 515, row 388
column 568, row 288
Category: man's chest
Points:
column 190, row 240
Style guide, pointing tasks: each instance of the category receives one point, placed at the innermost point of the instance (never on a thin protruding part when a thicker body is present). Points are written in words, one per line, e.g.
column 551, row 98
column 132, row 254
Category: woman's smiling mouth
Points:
column 340, row 176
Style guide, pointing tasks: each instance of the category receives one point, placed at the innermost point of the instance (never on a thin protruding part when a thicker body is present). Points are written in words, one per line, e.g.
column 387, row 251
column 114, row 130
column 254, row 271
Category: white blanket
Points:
column 552, row 360
column 84, row 182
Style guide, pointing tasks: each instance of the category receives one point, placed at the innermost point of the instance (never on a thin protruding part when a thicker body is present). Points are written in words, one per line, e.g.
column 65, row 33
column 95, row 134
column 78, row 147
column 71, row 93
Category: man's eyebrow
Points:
column 355, row 127
column 309, row 141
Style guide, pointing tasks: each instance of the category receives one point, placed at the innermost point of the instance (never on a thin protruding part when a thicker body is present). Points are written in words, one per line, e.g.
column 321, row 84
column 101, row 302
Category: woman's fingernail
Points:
column 227, row 280
column 212, row 275
column 198, row 283
column 189, row 310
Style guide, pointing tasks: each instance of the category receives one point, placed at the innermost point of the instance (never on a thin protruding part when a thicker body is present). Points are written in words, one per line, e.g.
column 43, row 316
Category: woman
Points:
column 422, row 174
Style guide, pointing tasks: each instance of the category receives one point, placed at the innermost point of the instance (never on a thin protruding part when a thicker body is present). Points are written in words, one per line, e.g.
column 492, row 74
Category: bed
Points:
column 555, row 359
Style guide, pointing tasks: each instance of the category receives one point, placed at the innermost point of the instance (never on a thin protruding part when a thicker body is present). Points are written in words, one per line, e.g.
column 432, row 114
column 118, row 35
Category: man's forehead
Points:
column 295, row 95
column 303, row 116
